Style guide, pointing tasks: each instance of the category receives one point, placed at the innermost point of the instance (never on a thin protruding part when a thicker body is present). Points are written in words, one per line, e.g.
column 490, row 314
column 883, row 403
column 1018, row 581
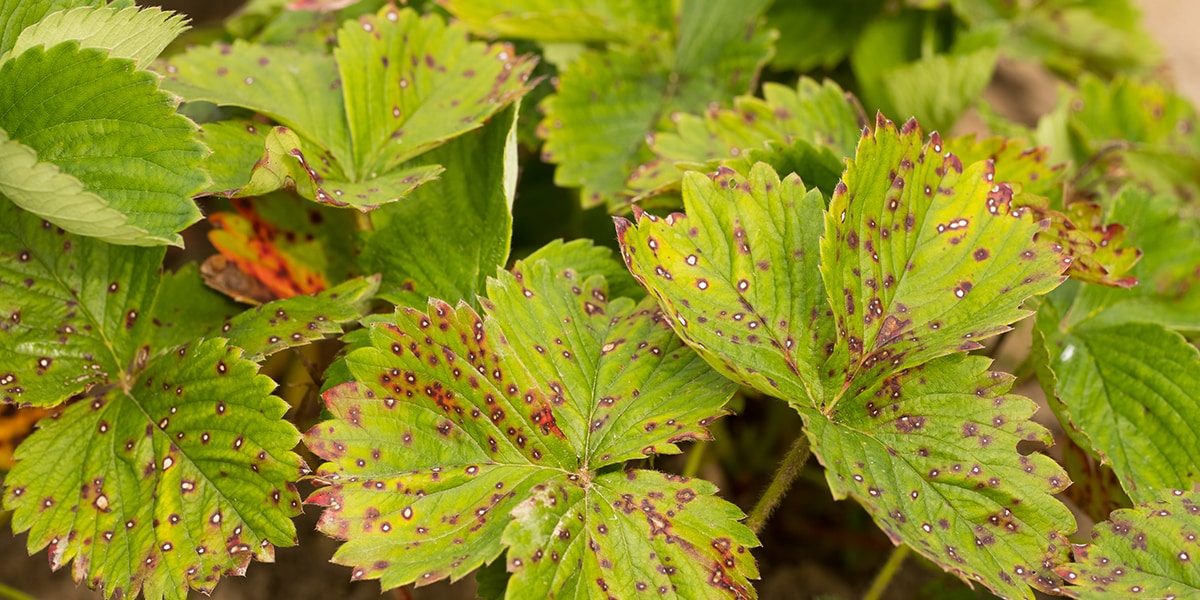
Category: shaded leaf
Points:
column 58, row 101
column 448, row 237
column 396, row 86
column 463, row 434
column 1145, row 552
column 607, row 103
column 817, row 34
column 137, row 34
column 145, row 489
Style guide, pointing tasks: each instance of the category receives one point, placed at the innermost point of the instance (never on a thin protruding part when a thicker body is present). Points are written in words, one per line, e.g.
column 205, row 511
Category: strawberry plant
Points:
column 306, row 260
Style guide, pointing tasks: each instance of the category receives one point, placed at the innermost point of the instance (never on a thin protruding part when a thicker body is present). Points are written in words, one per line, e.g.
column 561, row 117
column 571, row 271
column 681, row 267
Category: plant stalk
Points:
column 12, row 593
column 785, row 475
column 885, row 575
column 695, row 459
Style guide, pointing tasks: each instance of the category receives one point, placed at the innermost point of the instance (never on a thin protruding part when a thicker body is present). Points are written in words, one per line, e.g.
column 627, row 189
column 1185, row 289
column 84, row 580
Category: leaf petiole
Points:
column 781, row 482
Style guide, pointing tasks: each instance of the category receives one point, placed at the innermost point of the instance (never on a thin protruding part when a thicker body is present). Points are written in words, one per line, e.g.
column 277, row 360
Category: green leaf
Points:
column 919, row 258
column 72, row 308
column 396, row 86
column 164, row 483
column 705, row 36
column 817, row 34
column 558, row 21
column 17, row 15
column 299, row 320
column 108, row 126
column 1126, row 389
column 185, row 308
column 810, row 128
column 1103, row 36
column 422, row 251
column 139, row 35
column 1145, row 552
column 608, row 103
column 463, row 434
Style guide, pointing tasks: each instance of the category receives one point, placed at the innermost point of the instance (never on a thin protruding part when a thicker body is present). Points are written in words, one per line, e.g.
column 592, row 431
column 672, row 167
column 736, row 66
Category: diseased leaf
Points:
column 862, row 328
column 396, row 86
column 462, row 434
column 71, row 308
column 816, row 121
column 1146, row 552
column 290, row 246
column 133, row 33
column 1102, row 36
column 108, row 126
column 557, row 21
column 448, row 237
column 163, row 485
column 923, row 257
column 297, row 321
column 137, row 480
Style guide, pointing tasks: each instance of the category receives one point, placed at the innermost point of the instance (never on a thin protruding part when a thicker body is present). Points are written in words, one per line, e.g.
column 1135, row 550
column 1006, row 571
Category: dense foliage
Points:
column 350, row 182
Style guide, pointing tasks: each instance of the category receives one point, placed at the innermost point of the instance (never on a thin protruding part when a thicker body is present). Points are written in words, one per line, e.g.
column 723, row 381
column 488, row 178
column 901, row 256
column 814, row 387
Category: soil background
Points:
column 795, row 557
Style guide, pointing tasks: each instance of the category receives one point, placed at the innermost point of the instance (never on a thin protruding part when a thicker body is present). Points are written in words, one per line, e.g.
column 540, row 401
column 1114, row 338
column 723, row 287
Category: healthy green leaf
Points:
column 185, row 308
column 137, row 34
column 817, row 34
column 450, row 235
column 919, row 258
column 396, row 86
column 1126, row 389
column 176, row 476
column 462, row 434
column 1145, row 552
column 109, row 126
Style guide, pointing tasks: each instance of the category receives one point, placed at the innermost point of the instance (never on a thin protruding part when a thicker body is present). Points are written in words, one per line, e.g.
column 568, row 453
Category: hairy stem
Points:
column 785, row 475
column 884, row 577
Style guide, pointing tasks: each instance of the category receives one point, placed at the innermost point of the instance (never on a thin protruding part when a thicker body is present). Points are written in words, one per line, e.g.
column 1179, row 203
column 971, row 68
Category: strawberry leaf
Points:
column 396, row 86
column 166, row 482
column 817, row 120
column 464, row 433
column 18, row 15
column 133, row 33
column 608, row 103
column 1149, row 551
column 131, row 185
column 423, row 253
column 873, row 359
column 573, row 21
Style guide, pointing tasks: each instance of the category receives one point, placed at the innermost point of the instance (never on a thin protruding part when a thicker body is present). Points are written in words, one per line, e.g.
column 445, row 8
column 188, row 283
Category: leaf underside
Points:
column 464, row 434
column 862, row 325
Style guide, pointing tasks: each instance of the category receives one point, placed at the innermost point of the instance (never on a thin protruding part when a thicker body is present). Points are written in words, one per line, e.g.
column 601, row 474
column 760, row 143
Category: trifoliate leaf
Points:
column 107, row 125
column 396, row 86
column 1126, row 389
column 462, row 434
column 816, row 120
column 558, row 21
column 607, row 103
column 448, row 237
column 1146, row 552
column 177, row 476
column 140, row 481
column 72, row 308
column 133, row 33
column 872, row 359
